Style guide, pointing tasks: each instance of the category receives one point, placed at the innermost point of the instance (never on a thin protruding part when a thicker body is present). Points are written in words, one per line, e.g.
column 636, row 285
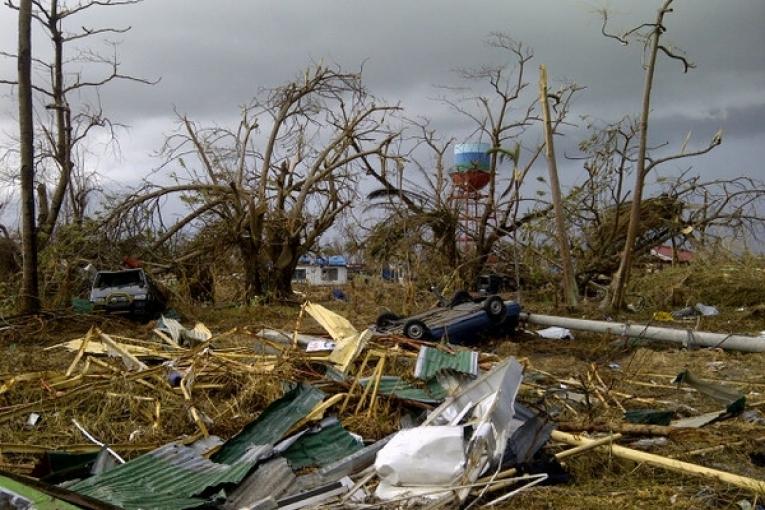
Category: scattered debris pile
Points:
column 279, row 419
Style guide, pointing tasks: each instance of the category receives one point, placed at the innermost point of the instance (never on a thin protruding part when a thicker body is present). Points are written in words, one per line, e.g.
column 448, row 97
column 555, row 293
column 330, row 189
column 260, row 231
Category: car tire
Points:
column 459, row 297
column 386, row 320
column 416, row 330
column 495, row 308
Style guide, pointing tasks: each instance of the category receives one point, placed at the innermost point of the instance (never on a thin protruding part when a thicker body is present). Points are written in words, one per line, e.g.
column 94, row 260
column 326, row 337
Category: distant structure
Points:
column 665, row 254
column 321, row 270
column 471, row 173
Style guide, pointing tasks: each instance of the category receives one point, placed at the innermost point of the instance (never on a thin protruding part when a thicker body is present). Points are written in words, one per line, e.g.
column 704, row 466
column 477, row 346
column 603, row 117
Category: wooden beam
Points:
column 686, row 468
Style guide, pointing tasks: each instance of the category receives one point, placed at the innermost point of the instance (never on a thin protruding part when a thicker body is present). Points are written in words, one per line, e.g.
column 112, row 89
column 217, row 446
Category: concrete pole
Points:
column 686, row 337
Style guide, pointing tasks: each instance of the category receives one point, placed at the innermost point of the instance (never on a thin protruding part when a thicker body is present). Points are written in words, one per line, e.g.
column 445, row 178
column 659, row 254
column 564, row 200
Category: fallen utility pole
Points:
column 686, row 337
column 687, row 468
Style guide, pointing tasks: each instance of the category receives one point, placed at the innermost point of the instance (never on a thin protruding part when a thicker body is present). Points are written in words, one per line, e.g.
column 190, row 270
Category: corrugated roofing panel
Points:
column 17, row 494
column 430, row 393
column 272, row 478
column 432, row 361
column 167, row 477
column 320, row 448
column 275, row 421
column 354, row 462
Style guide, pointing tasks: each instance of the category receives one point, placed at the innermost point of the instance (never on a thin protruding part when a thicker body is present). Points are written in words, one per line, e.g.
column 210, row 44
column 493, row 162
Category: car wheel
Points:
column 459, row 297
column 386, row 320
column 495, row 308
column 416, row 330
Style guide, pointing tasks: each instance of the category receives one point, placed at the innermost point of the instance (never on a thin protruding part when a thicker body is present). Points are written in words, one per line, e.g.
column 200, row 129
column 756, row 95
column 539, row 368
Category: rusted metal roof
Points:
column 665, row 254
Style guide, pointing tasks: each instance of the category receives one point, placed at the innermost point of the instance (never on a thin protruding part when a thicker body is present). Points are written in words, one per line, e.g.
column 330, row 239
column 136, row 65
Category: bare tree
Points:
column 684, row 209
column 30, row 300
column 272, row 197
column 717, row 209
column 650, row 35
column 498, row 120
column 419, row 219
column 65, row 126
column 569, row 282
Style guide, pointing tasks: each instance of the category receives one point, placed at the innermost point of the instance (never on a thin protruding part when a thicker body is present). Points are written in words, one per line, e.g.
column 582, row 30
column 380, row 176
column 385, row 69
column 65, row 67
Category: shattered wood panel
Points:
column 348, row 348
column 98, row 348
column 336, row 325
column 349, row 342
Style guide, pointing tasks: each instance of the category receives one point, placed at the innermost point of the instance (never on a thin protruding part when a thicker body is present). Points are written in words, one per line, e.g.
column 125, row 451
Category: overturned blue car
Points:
column 462, row 320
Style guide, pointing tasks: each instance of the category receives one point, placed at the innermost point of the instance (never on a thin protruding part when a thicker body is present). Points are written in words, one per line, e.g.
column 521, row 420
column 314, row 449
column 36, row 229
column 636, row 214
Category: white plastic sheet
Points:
column 555, row 333
column 433, row 455
column 707, row 310
column 320, row 345
column 426, row 461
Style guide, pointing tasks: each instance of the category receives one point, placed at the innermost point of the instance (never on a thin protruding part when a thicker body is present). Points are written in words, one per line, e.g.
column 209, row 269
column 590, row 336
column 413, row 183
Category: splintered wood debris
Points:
column 132, row 395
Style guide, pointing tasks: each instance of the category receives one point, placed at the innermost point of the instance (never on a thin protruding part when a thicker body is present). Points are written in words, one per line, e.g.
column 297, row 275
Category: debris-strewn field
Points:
column 69, row 381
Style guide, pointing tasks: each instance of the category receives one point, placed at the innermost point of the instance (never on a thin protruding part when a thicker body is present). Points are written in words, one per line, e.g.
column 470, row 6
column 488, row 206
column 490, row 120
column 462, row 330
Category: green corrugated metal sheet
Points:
column 432, row 361
column 168, row 477
column 430, row 393
column 329, row 444
column 140, row 500
column 273, row 422
column 30, row 495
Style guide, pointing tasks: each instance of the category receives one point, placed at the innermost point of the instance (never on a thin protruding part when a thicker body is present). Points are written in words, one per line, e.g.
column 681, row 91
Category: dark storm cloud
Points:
column 214, row 56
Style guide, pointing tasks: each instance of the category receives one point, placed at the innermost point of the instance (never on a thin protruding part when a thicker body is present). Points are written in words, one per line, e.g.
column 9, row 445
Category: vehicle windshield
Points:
column 118, row 279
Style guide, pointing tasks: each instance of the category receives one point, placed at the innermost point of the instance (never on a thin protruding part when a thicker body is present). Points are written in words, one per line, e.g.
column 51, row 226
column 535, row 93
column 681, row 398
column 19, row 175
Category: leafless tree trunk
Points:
column 68, row 128
column 644, row 163
column 569, row 283
column 30, row 300
column 623, row 273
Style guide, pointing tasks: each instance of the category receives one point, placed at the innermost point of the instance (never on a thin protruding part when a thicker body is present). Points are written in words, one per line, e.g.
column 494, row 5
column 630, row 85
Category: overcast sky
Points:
column 213, row 56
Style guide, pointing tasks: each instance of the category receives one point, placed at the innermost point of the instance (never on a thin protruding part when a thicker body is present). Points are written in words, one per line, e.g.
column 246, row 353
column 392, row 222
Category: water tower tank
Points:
column 472, row 165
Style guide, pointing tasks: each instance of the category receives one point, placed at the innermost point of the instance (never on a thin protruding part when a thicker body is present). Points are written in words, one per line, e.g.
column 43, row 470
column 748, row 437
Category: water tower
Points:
column 471, row 173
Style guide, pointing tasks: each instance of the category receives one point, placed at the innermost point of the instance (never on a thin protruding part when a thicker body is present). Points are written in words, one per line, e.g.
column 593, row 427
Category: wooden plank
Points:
column 80, row 352
column 130, row 361
column 686, row 468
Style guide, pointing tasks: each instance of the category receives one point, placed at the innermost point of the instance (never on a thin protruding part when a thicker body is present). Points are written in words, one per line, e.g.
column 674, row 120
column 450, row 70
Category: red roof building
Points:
column 664, row 253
